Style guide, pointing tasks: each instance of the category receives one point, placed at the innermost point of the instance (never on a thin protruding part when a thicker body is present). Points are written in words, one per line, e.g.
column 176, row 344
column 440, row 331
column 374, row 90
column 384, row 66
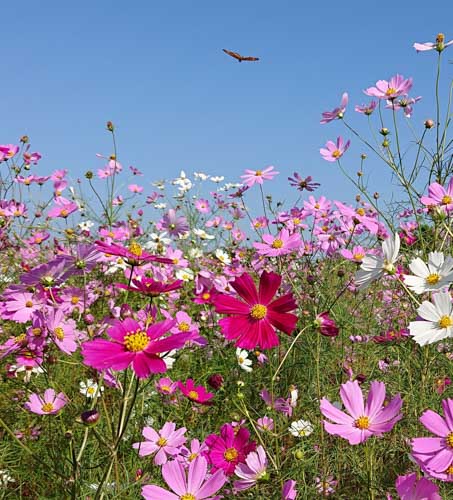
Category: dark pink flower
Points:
column 134, row 255
column 410, row 488
column 329, row 116
column 326, row 325
column 196, row 393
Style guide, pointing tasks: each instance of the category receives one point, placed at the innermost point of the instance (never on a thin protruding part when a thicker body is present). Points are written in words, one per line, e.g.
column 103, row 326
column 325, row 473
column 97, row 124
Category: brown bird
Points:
column 239, row 57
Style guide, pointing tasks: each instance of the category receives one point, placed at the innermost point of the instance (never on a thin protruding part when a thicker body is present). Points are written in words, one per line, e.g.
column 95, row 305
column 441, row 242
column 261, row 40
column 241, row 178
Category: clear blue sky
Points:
column 156, row 70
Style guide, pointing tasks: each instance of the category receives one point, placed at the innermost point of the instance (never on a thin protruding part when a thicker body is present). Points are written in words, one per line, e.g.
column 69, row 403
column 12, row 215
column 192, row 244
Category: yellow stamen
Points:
column 59, row 333
column 449, row 440
column 183, row 326
column 29, row 303
column 258, row 311
column 75, row 300
column 193, row 395
column 230, row 454
column 187, row 496
column 358, row 256
column 445, row 321
column 449, row 470
column 432, row 279
column 362, row 423
column 161, row 441
column 258, row 173
column 446, row 200
column 360, row 211
column 135, row 249
column 136, row 341
column 390, row 91
column 277, row 243
column 47, row 407
column 336, row 153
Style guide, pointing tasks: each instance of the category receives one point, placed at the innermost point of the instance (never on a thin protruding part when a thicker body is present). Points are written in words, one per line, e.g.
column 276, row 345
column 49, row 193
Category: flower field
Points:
column 195, row 339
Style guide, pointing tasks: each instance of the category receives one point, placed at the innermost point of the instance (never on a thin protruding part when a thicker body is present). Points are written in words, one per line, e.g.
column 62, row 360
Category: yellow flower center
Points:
column 38, row 240
column 192, row 457
column 187, row 496
column 258, row 173
column 445, row 321
column 59, row 333
column 230, row 454
column 277, row 243
column 91, row 390
column 358, row 256
column 29, row 303
column 440, row 38
column 136, row 341
column 161, row 441
column 165, row 388
column 241, row 360
column 449, row 440
column 135, row 249
column 390, row 91
column 183, row 326
column 20, row 338
column 193, row 395
column 432, row 279
column 175, row 261
column 362, row 423
column 449, row 470
column 360, row 211
column 47, row 407
column 336, row 153
column 206, row 296
column 75, row 300
column 64, row 212
column 258, row 311
column 446, row 200
column 302, row 432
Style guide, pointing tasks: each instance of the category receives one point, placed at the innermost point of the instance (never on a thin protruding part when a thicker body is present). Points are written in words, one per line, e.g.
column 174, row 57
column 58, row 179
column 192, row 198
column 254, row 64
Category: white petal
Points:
column 429, row 312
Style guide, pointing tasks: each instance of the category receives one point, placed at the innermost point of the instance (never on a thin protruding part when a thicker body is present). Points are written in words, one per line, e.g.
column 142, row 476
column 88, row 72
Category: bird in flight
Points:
column 240, row 58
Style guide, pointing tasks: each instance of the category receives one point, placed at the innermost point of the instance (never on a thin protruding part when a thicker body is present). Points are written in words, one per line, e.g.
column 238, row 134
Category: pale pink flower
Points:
column 334, row 151
column 252, row 177
column 396, row 86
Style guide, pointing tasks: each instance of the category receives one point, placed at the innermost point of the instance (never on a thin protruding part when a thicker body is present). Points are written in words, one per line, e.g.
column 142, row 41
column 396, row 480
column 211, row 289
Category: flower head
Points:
column 329, row 116
column 363, row 420
column 196, row 393
column 411, row 488
column 164, row 443
column 334, row 151
column 252, row 177
column 49, row 403
column 430, row 277
column 252, row 471
column 391, row 89
column 438, row 45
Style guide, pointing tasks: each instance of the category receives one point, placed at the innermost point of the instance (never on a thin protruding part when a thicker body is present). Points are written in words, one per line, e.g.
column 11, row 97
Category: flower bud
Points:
column 429, row 123
column 376, row 195
column 385, row 143
column 363, row 156
column 126, row 311
column 89, row 174
column 110, row 126
column 90, row 417
column 24, row 139
column 384, row 131
column 215, row 381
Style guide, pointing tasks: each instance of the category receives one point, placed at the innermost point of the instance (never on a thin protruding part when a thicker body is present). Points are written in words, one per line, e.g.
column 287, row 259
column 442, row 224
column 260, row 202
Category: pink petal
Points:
column 174, row 474
column 435, row 423
column 427, row 445
column 352, row 398
column 336, row 415
column 245, row 287
column 269, row 284
column 152, row 492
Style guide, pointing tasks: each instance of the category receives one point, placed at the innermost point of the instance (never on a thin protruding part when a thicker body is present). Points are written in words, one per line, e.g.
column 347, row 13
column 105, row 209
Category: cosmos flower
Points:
column 283, row 244
column 253, row 321
column 243, row 360
column 297, row 181
column 436, row 320
column 289, row 491
column 334, row 151
column 337, row 113
column 431, row 277
column 131, row 344
column 366, row 109
column 150, row 287
column 440, row 197
column 391, row 89
column 411, row 488
column 166, row 442
column 197, row 394
column 363, row 421
column 134, row 255
column 194, row 484
column 90, row 389
column 435, row 454
column 252, row 177
column 48, row 404
column 301, row 428
column 439, row 45
column 252, row 471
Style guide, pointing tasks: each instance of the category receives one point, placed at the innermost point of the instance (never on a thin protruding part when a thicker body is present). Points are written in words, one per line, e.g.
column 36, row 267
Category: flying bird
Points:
column 240, row 58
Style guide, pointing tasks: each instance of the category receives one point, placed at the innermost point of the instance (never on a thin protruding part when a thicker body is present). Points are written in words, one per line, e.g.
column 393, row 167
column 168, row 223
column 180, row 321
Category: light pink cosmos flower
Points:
column 435, row 454
column 265, row 423
column 166, row 442
column 438, row 196
column 62, row 208
column 363, row 421
column 396, row 86
column 366, row 109
column 334, row 151
column 194, row 485
column 252, row 470
column 282, row 244
column 48, row 404
column 409, row 488
column 440, row 44
column 202, row 206
column 135, row 188
column 329, row 116
column 252, row 177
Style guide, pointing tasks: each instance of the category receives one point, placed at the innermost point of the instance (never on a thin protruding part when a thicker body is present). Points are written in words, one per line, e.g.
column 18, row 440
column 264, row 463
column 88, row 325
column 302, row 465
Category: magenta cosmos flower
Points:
column 334, row 151
column 252, row 177
column 363, row 421
column 166, row 442
column 150, row 287
column 435, row 454
column 132, row 345
column 439, row 45
column 230, row 448
column 48, row 404
column 197, row 394
column 253, row 321
column 329, row 116
column 392, row 89
column 409, row 488
column 282, row 244
column 289, row 491
column 438, row 196
column 194, row 485
column 134, row 255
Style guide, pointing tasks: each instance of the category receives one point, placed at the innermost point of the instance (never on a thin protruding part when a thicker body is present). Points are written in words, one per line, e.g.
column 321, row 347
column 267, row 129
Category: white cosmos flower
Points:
column 160, row 205
column 374, row 266
column 437, row 320
column 301, row 428
column 5, row 478
column 157, row 241
column 435, row 275
column 217, row 179
column 203, row 235
column 91, row 389
column 201, row 176
column 184, row 274
column 223, row 256
column 244, row 362
column 86, row 225
column 195, row 253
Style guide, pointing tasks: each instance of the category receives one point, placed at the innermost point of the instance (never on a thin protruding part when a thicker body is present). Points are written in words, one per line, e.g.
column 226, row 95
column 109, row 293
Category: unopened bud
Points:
column 110, row 126
column 385, row 143
column 359, row 173
column 24, row 139
column 358, row 198
column 89, row 174
column 384, row 131
column 90, row 417
column 376, row 195
column 363, row 156
column 429, row 123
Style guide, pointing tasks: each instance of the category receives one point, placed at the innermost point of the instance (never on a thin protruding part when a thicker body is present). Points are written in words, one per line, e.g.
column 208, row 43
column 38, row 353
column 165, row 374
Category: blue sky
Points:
column 156, row 69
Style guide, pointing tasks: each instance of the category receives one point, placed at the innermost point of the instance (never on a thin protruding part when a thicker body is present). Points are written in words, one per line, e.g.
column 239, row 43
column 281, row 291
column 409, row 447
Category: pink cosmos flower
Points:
column 134, row 255
column 297, row 181
column 366, row 109
column 390, row 89
column 252, row 177
column 440, row 44
column 230, row 448
column 48, row 404
column 191, row 485
column 333, row 152
column 253, row 321
column 355, row 255
column 405, row 103
column 289, row 491
column 63, row 208
column 63, row 330
column 7, row 151
column 20, row 306
column 135, row 188
column 282, row 244
column 166, row 386
column 326, row 325
column 329, row 116
column 166, row 442
column 363, row 421
column 409, row 488
column 438, row 196
column 202, row 206
column 265, row 423
column 150, row 287
column 252, row 470
column 435, row 454
column 131, row 344
column 197, row 394
column 195, row 450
